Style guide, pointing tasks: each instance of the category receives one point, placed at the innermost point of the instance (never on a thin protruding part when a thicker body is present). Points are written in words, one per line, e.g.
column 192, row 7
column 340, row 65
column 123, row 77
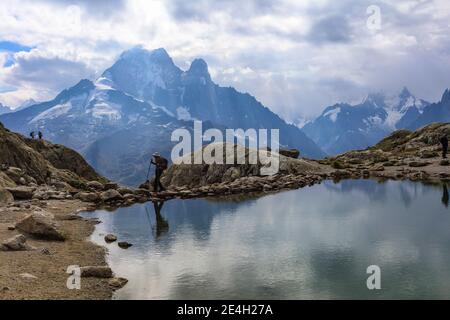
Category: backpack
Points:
column 164, row 164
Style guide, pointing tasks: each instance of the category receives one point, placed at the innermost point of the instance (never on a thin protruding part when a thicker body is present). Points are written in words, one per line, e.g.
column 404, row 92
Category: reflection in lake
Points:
column 311, row 243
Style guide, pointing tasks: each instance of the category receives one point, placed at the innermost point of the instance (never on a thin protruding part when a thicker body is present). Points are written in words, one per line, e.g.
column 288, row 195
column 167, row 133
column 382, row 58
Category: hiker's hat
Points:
column 156, row 154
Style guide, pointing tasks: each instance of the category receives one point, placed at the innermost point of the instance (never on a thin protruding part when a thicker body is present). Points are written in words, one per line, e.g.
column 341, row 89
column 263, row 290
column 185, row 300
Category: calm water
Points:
column 312, row 243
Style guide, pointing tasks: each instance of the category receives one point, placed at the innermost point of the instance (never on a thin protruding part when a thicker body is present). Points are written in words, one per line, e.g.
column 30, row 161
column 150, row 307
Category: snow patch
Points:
column 332, row 114
column 53, row 112
column 184, row 114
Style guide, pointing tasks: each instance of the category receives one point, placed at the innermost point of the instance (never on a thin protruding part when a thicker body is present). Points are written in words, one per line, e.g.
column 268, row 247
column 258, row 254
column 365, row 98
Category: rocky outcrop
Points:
column 198, row 175
column 5, row 197
column 24, row 161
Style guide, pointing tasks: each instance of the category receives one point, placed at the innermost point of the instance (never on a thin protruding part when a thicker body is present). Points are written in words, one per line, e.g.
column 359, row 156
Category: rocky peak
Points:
column 199, row 69
column 446, row 96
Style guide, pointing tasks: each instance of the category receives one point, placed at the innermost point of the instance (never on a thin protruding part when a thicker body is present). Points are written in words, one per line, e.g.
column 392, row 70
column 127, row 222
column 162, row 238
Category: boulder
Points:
column 6, row 197
column 21, row 193
column 40, row 226
column 124, row 245
column 96, row 272
column 111, row 185
column 87, row 196
column 16, row 243
column 110, row 238
column 95, row 185
column 117, row 283
column 110, row 195
column 416, row 164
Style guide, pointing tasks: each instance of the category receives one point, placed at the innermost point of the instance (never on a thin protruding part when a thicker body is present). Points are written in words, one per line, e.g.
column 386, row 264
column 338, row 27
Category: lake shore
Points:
column 41, row 273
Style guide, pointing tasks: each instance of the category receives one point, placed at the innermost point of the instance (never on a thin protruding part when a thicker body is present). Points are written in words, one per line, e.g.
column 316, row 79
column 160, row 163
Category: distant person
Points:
column 160, row 165
column 444, row 143
column 32, row 134
column 40, row 135
column 445, row 196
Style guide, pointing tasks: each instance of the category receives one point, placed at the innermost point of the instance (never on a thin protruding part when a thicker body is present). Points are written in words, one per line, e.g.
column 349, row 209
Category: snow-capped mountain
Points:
column 130, row 111
column 4, row 109
column 344, row 127
column 26, row 104
column 435, row 112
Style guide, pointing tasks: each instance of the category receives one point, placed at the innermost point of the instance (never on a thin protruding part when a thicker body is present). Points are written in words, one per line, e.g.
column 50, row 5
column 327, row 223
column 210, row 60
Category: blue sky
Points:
column 297, row 57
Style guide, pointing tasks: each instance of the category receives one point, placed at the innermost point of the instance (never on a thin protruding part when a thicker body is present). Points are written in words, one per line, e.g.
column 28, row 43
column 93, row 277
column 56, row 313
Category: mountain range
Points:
column 343, row 127
column 117, row 121
column 4, row 109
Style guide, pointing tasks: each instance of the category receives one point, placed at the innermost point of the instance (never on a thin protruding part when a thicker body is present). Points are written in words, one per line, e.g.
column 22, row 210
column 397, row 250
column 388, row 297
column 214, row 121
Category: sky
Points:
column 296, row 57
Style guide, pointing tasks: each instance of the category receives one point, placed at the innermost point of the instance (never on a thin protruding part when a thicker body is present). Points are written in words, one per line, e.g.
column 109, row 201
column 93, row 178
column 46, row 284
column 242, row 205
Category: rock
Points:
column 111, row 185
column 11, row 228
column 40, row 226
column 95, row 185
column 110, row 238
column 22, row 181
column 21, row 193
column 87, row 197
column 6, row 197
column 123, row 191
column 290, row 153
column 96, row 272
column 117, row 283
column 124, row 245
column 110, row 195
column 45, row 251
column 444, row 162
column 416, row 164
column 427, row 154
column 16, row 243
column 28, row 276
column 70, row 217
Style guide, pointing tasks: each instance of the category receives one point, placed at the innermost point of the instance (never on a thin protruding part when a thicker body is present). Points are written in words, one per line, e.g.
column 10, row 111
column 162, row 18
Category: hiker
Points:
column 160, row 165
column 32, row 135
column 444, row 143
column 40, row 135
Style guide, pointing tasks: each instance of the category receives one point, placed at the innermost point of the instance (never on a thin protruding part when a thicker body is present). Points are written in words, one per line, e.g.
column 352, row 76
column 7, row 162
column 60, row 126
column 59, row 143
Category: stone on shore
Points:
column 41, row 226
column 16, row 243
column 117, row 283
column 110, row 195
column 110, row 238
column 124, row 245
column 96, row 272
column 95, row 185
column 21, row 193
column 87, row 196
column 6, row 197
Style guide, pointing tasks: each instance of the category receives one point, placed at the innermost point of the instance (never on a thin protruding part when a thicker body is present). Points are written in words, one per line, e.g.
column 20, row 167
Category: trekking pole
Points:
column 148, row 172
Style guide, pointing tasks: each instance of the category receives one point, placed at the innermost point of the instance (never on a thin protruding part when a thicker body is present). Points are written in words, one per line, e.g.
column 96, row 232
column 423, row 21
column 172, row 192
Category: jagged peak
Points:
column 446, row 96
column 405, row 93
column 159, row 55
column 199, row 68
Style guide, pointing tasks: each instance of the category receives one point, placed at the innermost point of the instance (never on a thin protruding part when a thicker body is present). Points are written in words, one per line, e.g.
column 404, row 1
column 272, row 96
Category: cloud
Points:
column 330, row 29
column 297, row 57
